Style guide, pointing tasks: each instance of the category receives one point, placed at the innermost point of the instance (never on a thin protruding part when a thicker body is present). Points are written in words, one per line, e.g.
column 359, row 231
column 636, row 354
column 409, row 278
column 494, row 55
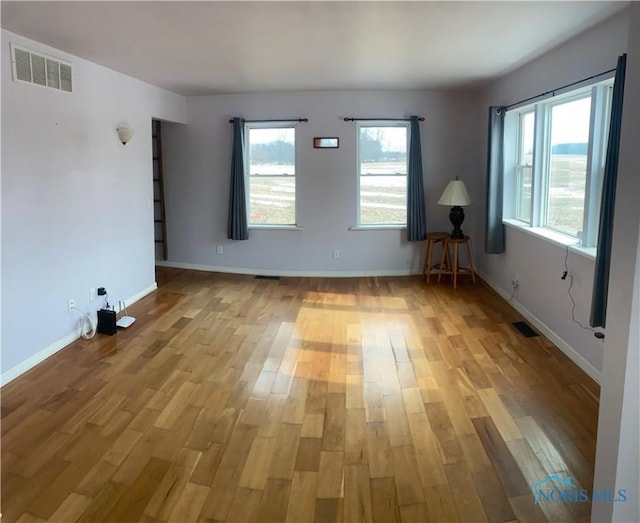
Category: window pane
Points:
column 525, row 184
column 383, row 175
column 568, row 165
column 272, row 200
column 383, row 150
column 525, row 167
column 272, row 151
column 383, row 200
column 272, row 185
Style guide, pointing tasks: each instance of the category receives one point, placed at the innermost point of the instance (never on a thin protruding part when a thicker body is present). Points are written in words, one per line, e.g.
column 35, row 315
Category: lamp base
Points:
column 456, row 216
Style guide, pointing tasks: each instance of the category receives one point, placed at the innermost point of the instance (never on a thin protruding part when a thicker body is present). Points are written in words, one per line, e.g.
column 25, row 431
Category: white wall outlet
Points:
column 71, row 303
column 219, row 249
column 92, row 293
column 336, row 253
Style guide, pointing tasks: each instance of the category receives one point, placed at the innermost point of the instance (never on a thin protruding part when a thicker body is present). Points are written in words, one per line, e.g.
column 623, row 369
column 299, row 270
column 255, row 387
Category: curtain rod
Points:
column 285, row 120
column 553, row 91
column 346, row 119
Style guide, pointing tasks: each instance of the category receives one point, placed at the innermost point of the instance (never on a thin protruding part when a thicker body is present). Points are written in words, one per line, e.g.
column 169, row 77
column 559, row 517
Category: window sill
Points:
column 552, row 237
column 377, row 227
column 276, row 227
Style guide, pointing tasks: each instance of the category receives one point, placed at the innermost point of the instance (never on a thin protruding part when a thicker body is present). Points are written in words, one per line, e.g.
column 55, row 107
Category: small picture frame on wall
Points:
column 326, row 143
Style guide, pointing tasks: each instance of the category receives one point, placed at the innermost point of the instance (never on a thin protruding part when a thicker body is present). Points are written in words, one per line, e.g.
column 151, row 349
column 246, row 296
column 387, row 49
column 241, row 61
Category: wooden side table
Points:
column 433, row 238
column 454, row 267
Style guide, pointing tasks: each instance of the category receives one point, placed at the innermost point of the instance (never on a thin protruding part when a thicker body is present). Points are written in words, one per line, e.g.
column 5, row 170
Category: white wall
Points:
column 197, row 162
column 617, row 463
column 75, row 208
column 538, row 263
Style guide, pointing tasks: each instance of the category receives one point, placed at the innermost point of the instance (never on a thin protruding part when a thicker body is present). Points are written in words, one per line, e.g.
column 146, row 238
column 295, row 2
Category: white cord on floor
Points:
column 87, row 334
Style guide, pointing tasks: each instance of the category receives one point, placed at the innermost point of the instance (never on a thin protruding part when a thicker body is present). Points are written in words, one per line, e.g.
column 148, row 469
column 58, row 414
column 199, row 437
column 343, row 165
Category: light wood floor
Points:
column 241, row 399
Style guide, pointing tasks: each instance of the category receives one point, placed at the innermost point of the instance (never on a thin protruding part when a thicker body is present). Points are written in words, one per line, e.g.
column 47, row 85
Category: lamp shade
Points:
column 125, row 134
column 455, row 194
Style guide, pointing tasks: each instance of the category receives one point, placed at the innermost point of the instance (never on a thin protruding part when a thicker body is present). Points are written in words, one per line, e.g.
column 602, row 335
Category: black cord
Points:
column 566, row 275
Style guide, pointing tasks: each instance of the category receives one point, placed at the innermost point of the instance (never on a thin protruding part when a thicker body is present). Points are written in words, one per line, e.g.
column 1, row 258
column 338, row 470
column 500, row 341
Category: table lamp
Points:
column 456, row 195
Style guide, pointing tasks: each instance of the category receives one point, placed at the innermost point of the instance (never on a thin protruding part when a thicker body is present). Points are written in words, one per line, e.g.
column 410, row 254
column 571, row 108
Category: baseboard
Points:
column 39, row 357
column 284, row 273
column 139, row 295
column 567, row 349
column 60, row 344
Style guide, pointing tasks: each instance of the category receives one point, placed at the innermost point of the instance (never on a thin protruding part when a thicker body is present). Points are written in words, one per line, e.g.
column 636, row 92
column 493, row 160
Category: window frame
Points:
column 520, row 166
column 373, row 124
column 601, row 96
column 247, row 172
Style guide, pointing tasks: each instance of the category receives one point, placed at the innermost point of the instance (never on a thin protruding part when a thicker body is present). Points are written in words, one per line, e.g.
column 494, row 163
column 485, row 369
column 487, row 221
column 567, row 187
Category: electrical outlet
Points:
column 92, row 293
column 219, row 249
column 71, row 304
column 336, row 253
column 515, row 283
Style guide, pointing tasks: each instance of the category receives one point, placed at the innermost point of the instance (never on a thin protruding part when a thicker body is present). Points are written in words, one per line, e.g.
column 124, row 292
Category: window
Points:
column 271, row 173
column 382, row 173
column 557, row 161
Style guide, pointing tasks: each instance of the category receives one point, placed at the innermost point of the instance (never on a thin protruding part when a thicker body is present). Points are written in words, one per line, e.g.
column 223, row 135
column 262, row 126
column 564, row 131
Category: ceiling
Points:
column 197, row 48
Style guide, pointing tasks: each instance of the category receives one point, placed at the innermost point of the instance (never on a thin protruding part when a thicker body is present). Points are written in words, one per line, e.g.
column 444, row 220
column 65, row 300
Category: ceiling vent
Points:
column 35, row 68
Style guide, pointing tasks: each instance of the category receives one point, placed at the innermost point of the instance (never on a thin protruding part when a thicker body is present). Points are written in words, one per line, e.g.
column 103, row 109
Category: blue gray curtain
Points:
column 608, row 202
column 494, row 228
column 416, row 217
column 237, row 228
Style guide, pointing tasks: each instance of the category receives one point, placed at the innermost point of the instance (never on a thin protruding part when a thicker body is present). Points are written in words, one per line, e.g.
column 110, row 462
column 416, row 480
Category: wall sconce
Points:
column 125, row 134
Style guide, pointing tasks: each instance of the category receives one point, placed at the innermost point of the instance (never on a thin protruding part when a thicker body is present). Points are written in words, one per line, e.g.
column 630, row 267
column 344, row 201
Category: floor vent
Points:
column 263, row 277
column 35, row 68
column 524, row 329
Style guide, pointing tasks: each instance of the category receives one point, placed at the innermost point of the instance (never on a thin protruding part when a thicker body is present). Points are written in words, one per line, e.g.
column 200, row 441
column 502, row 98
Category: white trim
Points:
column 389, row 227
column 144, row 292
column 39, row 357
column 60, row 344
column 553, row 237
column 284, row 273
column 256, row 227
column 567, row 349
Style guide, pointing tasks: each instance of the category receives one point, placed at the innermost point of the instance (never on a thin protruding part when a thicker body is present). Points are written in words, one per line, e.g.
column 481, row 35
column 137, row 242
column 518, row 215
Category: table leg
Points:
column 455, row 264
column 443, row 258
column 473, row 272
column 427, row 262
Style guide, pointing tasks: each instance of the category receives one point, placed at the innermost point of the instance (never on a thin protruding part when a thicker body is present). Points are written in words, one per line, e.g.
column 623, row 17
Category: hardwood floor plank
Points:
column 308, row 457
column 440, row 504
column 167, row 493
column 254, row 473
column 302, row 500
column 494, row 499
column 71, row 508
column 190, row 503
column 501, row 458
column 407, row 476
column 466, row 499
column 245, row 505
column 380, row 460
column 357, row 494
column 384, row 501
